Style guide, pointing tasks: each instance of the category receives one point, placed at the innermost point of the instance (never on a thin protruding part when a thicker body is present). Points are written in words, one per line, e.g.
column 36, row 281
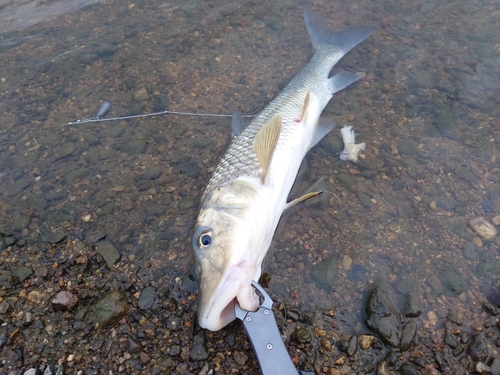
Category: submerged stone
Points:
column 147, row 298
column 302, row 335
column 108, row 309
column 382, row 317
column 109, row 253
column 453, row 284
column 324, row 273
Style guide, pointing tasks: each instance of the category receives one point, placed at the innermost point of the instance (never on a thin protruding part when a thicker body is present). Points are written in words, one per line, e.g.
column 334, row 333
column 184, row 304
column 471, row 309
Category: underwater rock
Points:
column 411, row 307
column 109, row 253
column 108, row 309
column 478, row 348
column 147, row 298
column 302, row 335
column 483, row 228
column 324, row 273
column 64, row 301
column 382, row 317
column 453, row 284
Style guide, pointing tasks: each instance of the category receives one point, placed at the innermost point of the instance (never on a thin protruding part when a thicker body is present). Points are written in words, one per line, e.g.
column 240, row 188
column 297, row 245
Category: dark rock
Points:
column 324, row 273
column 382, row 317
column 198, row 352
column 453, row 284
column 441, row 364
column 160, row 103
column 302, row 335
column 21, row 273
column 240, row 358
column 407, row 147
column 353, row 346
column 466, row 174
column 478, row 349
column 20, row 222
column 450, row 340
column 411, row 307
column 470, row 250
column 64, row 301
column 147, row 298
column 151, row 174
column 407, row 369
column 488, row 267
column 108, row 309
column 495, row 367
column 133, row 346
column 189, row 168
column 367, row 367
column 490, row 308
column 492, row 294
column 56, row 237
column 4, row 307
column 109, row 253
column 407, row 336
column 274, row 23
column 4, row 232
column 41, row 272
column 455, row 317
column 446, row 204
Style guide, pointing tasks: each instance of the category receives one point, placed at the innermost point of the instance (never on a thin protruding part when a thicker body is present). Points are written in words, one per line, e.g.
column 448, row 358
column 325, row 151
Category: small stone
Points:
column 4, row 307
column 326, row 344
column 21, row 273
column 482, row 368
column 490, row 308
column 332, row 371
column 302, row 335
column 36, row 296
column 198, row 352
column 41, row 272
column 478, row 348
column 495, row 220
column 147, row 298
column 141, row 95
column 407, row 336
column 411, row 306
column 325, row 273
column 346, row 262
column 353, row 346
column 407, row 369
column 450, row 340
column 382, row 368
column 432, row 318
column 133, row 346
column 64, row 301
column 240, row 358
column 109, row 253
column 144, row 357
column 31, row 371
column 483, row 228
column 366, row 341
column 108, row 309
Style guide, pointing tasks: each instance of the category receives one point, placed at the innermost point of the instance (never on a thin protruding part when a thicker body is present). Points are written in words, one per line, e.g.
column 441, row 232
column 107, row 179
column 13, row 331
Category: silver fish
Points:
column 247, row 193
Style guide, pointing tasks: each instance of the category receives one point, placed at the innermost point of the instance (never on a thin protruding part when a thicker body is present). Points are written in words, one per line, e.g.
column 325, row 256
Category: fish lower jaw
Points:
column 222, row 312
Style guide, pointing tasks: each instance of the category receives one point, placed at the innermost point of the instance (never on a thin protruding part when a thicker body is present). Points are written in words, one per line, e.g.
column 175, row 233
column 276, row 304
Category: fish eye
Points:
column 205, row 239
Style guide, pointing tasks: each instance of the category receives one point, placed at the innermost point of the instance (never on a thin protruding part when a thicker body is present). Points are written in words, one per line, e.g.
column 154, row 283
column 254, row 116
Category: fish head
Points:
column 226, row 243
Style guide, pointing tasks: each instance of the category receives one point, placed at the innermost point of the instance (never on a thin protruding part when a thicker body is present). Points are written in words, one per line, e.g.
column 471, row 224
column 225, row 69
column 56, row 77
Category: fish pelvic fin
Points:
column 264, row 144
column 314, row 190
column 305, row 106
column 345, row 40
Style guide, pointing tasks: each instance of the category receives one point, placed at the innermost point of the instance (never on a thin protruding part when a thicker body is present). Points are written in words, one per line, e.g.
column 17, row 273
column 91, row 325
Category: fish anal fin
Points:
column 303, row 198
column 324, row 126
column 264, row 144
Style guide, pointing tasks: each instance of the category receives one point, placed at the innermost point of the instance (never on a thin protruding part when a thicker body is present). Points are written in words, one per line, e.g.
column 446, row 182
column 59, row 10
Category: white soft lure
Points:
column 351, row 149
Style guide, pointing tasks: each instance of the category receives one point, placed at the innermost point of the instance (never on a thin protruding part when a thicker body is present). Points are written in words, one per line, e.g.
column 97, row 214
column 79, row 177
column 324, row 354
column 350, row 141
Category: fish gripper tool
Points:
column 266, row 340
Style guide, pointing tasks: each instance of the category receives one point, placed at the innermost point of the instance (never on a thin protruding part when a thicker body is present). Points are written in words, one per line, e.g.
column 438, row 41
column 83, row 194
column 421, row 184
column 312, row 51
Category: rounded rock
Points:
column 483, row 228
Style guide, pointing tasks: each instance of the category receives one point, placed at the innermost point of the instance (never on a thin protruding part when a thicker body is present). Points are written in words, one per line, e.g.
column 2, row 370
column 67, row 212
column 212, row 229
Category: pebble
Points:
column 326, row 344
column 478, row 348
column 198, row 352
column 109, row 253
column 411, row 307
column 482, row 368
column 147, row 298
column 108, row 309
column 31, row 371
column 302, row 335
column 483, row 228
column 382, row 368
column 407, row 336
column 141, row 95
column 496, row 220
column 366, row 341
column 381, row 317
column 432, row 318
column 64, row 301
column 346, row 262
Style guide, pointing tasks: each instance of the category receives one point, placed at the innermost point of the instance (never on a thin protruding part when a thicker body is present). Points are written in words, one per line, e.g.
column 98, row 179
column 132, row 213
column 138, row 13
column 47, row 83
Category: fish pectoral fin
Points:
column 265, row 143
column 318, row 188
column 325, row 125
column 238, row 123
column 305, row 106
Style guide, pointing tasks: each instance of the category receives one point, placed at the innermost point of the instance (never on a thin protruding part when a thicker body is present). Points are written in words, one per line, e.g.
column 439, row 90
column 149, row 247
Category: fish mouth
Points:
column 236, row 286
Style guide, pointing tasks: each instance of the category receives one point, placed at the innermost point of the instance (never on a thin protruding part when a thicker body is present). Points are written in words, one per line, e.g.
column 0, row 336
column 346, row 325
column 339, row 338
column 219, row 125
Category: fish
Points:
column 247, row 193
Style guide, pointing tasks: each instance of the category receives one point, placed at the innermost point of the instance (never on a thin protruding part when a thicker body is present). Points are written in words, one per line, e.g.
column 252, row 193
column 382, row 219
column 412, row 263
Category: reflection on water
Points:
column 428, row 109
column 21, row 14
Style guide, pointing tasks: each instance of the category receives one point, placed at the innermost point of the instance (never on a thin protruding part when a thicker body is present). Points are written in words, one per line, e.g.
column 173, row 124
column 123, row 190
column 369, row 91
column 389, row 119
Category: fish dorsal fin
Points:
column 238, row 123
column 305, row 106
column 265, row 143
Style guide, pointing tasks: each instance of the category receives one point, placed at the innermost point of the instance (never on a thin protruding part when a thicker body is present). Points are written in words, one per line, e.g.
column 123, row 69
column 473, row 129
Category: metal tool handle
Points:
column 266, row 339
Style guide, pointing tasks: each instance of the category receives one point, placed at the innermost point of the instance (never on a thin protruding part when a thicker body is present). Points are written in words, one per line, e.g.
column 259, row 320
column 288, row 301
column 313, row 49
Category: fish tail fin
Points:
column 345, row 40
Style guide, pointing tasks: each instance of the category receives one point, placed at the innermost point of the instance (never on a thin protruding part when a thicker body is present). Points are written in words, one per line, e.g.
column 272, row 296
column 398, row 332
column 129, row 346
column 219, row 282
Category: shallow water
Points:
column 428, row 109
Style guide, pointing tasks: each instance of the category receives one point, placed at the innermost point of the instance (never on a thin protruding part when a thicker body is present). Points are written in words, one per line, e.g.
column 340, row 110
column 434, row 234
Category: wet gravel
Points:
column 397, row 273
